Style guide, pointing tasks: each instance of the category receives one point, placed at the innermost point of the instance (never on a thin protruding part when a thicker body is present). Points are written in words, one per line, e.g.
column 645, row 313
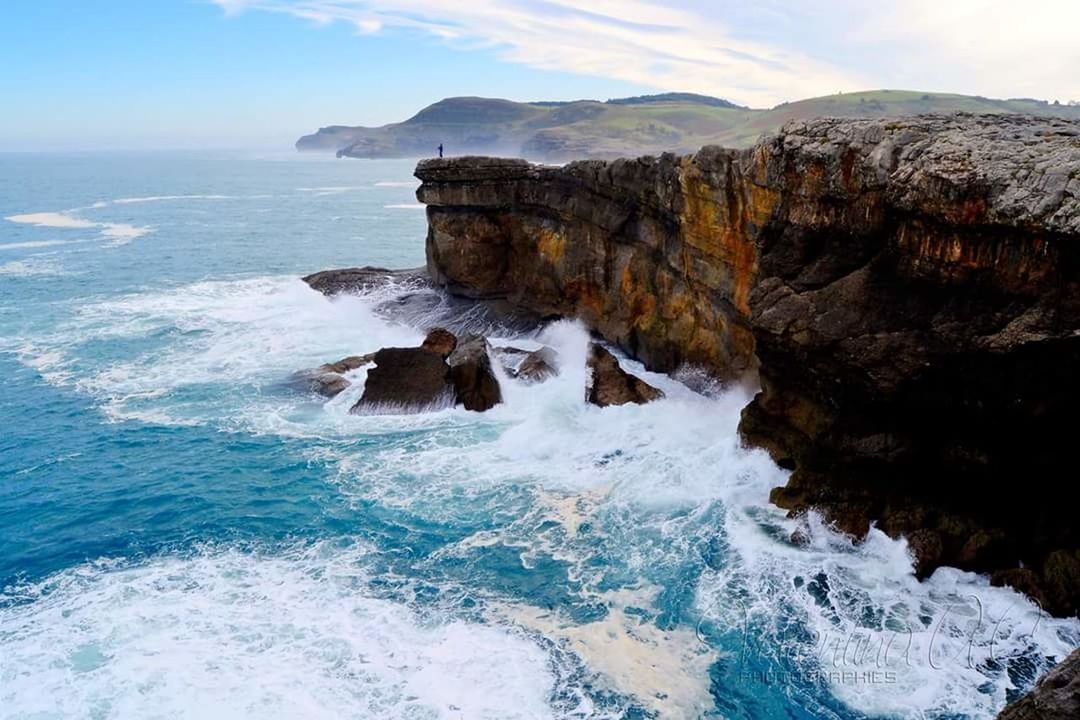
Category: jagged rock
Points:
column 365, row 279
column 611, row 385
column 475, row 384
column 529, row 366
column 440, row 341
column 1055, row 697
column 909, row 290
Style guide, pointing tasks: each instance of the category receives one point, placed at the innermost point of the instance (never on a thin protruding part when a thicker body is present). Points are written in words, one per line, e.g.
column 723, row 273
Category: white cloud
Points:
column 757, row 53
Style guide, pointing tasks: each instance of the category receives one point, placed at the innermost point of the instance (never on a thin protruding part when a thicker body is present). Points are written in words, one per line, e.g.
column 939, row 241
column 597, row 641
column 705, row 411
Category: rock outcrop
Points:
column 442, row 372
column 1055, row 697
column 907, row 290
column 611, row 385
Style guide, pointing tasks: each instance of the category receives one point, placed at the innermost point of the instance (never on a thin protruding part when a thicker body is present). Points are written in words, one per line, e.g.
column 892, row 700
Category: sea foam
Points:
column 252, row 635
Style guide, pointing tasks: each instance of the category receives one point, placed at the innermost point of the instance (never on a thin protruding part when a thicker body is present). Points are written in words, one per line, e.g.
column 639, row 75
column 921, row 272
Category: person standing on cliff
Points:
column 440, row 149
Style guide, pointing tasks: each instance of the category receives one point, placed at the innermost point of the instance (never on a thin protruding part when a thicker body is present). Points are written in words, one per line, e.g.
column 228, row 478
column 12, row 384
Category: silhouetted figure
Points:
column 440, row 149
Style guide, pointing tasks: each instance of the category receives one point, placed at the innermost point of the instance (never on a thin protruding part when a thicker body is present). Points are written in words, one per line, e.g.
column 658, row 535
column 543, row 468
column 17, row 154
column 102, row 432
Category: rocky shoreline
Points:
column 906, row 291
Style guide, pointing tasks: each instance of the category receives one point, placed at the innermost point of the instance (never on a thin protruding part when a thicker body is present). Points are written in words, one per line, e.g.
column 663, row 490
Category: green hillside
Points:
column 678, row 122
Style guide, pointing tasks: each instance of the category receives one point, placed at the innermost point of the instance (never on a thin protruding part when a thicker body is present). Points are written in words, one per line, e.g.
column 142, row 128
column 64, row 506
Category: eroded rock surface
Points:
column 907, row 287
column 611, row 385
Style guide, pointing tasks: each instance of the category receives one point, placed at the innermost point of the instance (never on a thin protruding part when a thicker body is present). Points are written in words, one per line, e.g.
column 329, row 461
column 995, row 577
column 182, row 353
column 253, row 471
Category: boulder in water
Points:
column 475, row 384
column 611, row 385
column 410, row 379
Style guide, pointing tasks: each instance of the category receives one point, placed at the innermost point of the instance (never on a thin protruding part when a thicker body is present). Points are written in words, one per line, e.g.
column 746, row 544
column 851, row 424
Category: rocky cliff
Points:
column 906, row 290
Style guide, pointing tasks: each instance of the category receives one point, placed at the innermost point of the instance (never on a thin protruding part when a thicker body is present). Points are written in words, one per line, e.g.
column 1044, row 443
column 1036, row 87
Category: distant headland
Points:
column 624, row 127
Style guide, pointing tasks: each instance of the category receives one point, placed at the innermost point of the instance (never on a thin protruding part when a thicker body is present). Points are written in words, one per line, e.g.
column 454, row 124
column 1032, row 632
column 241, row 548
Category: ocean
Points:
column 185, row 535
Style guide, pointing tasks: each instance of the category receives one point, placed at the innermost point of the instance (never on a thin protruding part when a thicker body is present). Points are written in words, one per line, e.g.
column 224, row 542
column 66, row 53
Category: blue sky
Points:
column 84, row 74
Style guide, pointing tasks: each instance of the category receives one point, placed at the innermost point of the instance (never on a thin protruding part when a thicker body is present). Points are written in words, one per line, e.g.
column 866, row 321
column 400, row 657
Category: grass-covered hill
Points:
column 680, row 122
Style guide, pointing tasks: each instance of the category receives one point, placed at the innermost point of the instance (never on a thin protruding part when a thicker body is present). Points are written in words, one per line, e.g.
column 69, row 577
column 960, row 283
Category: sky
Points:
column 139, row 74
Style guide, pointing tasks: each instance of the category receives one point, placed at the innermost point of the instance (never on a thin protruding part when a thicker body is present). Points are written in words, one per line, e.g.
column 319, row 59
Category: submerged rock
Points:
column 475, row 384
column 365, row 279
column 529, row 366
column 611, row 385
column 327, row 384
column 327, row 380
column 1055, row 697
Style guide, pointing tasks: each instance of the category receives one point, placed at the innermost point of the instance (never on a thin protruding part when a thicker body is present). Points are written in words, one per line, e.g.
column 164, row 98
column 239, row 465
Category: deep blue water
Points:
column 184, row 535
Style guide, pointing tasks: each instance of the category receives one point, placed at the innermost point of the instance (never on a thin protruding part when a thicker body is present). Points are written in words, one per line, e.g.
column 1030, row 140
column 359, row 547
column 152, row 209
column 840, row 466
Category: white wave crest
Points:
column 235, row 635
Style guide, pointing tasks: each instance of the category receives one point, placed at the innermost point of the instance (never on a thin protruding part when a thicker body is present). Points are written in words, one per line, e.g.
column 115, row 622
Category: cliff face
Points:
column 907, row 289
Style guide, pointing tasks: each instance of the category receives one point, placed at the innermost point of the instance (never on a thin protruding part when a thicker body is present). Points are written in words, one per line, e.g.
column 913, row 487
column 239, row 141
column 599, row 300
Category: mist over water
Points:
column 183, row 535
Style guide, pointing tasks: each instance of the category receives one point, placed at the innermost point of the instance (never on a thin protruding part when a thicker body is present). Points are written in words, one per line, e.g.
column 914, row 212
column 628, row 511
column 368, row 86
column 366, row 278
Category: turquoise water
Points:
column 184, row 535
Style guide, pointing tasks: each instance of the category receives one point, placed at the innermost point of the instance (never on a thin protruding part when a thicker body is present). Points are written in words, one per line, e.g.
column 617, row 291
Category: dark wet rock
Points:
column 365, row 280
column 1055, row 697
column 1061, row 579
column 926, row 548
column 529, row 366
column 406, row 379
column 474, row 381
column 440, row 341
column 443, row 371
column 611, row 385
column 908, row 290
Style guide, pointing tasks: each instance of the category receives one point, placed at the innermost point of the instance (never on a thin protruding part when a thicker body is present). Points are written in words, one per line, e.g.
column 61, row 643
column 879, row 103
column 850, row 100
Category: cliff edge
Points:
column 905, row 289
